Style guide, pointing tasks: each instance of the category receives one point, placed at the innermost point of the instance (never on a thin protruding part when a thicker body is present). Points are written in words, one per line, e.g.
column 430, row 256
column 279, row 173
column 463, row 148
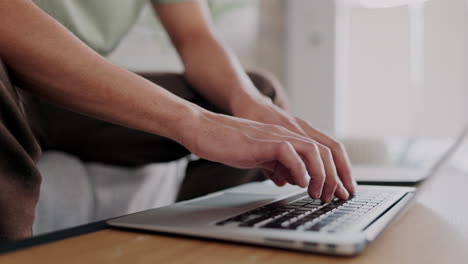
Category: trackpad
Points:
column 232, row 200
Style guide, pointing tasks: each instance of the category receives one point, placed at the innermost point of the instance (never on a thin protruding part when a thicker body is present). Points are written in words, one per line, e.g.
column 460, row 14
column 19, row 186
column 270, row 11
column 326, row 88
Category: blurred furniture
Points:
column 75, row 193
column 433, row 230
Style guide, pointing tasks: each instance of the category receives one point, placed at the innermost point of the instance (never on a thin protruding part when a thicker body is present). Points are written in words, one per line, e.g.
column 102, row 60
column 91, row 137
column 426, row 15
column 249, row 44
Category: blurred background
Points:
column 361, row 70
column 338, row 59
column 385, row 77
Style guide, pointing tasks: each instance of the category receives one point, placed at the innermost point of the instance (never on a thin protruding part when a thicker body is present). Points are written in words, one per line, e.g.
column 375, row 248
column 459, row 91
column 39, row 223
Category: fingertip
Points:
column 349, row 183
column 278, row 181
column 329, row 191
column 341, row 192
column 300, row 178
column 326, row 198
column 304, row 182
column 279, row 184
column 315, row 193
column 351, row 187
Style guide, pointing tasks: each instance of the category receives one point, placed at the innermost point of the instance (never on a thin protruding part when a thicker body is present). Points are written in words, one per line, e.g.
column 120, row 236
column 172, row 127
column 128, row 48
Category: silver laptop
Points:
column 263, row 214
column 407, row 161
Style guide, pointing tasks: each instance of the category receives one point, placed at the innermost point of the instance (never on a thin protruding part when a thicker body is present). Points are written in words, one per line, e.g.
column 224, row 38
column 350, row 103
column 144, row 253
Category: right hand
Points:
column 284, row 156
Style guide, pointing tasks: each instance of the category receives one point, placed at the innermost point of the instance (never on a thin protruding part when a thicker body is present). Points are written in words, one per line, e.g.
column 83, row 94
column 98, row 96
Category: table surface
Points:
column 433, row 230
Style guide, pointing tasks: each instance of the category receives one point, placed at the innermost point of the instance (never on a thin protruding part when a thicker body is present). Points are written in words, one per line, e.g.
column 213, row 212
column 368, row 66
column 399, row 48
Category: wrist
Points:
column 245, row 103
column 187, row 118
column 195, row 127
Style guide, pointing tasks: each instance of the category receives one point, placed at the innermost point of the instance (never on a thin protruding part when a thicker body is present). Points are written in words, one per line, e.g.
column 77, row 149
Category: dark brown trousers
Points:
column 29, row 125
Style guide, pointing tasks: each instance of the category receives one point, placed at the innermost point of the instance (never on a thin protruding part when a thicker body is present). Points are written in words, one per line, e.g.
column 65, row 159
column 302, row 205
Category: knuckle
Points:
column 313, row 147
column 284, row 145
column 336, row 145
column 313, row 152
column 325, row 151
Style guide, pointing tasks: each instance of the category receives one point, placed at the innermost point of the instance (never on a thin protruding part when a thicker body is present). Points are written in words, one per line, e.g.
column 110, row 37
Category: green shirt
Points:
column 99, row 23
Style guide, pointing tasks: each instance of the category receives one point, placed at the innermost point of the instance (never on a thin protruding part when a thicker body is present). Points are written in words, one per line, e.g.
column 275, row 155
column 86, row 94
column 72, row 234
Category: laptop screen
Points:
column 411, row 159
column 458, row 159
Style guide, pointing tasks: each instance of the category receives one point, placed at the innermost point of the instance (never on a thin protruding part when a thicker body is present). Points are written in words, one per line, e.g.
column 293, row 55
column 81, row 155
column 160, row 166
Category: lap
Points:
column 98, row 141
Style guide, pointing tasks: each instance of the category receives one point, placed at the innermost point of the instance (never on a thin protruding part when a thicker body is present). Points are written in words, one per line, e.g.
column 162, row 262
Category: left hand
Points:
column 338, row 180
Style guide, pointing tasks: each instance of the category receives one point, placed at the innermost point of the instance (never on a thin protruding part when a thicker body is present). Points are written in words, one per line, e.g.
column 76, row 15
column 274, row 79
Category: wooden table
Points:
column 434, row 230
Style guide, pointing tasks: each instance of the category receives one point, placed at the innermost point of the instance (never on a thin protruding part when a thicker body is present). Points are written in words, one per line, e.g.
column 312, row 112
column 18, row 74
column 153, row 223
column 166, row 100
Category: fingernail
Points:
column 343, row 189
column 305, row 181
column 317, row 194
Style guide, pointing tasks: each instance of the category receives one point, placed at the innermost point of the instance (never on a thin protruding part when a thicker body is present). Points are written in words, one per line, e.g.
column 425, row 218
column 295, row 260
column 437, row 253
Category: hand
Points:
column 285, row 157
column 334, row 160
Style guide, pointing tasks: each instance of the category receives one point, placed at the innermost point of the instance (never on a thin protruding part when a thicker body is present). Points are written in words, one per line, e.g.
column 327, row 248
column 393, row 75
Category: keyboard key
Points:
column 317, row 227
column 310, row 214
column 298, row 223
column 255, row 221
column 332, row 206
column 273, row 225
column 345, row 210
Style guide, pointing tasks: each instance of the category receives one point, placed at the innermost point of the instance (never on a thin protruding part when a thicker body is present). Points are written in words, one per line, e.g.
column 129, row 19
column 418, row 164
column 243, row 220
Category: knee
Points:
column 269, row 86
column 265, row 82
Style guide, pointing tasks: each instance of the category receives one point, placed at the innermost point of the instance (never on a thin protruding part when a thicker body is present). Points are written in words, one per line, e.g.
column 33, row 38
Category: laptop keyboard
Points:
column 309, row 214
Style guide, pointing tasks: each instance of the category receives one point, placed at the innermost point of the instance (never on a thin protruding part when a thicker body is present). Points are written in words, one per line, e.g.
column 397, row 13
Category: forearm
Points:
column 52, row 63
column 217, row 74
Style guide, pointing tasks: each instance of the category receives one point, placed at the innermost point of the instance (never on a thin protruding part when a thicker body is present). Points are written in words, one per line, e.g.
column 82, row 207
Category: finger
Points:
column 287, row 155
column 283, row 173
column 284, row 153
column 331, row 178
column 343, row 166
column 315, row 168
column 341, row 191
column 340, row 157
column 277, row 171
column 310, row 154
column 277, row 180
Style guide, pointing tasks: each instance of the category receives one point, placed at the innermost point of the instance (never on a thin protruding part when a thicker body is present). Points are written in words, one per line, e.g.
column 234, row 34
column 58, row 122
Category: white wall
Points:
column 375, row 100
column 378, row 98
column 311, row 61
column 148, row 48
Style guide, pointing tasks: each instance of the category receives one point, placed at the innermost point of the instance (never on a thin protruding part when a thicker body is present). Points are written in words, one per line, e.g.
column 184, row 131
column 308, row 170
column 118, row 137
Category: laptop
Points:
column 263, row 214
column 408, row 163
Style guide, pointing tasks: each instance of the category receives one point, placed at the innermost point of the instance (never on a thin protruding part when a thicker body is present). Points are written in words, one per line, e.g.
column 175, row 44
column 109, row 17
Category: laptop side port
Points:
column 310, row 245
column 331, row 246
column 279, row 241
